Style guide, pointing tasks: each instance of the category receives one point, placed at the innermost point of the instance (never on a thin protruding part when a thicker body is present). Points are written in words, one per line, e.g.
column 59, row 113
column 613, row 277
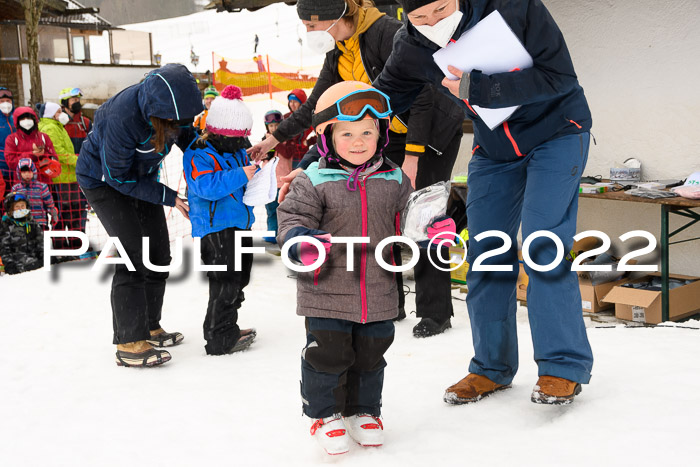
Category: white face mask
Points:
column 441, row 32
column 6, row 108
column 27, row 124
column 20, row 213
column 323, row 42
column 63, row 118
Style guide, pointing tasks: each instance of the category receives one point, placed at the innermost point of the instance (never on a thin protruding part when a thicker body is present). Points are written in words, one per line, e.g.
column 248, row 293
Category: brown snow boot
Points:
column 555, row 391
column 140, row 354
column 160, row 338
column 472, row 388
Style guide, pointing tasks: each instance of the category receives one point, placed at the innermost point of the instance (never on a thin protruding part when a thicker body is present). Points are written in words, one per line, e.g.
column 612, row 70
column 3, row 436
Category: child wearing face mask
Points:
column 65, row 189
column 21, row 238
column 28, row 142
column 37, row 194
column 353, row 191
column 217, row 171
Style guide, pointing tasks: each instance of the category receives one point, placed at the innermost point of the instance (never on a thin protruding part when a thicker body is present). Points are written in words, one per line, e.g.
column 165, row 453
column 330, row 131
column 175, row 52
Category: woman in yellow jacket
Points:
column 65, row 190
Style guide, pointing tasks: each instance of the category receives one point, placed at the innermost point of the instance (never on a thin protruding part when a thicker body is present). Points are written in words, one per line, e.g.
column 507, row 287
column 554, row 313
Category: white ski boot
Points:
column 366, row 430
column 331, row 434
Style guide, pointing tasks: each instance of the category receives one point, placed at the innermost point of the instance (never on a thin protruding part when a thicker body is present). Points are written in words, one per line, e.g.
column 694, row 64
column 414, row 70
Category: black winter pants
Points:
column 433, row 287
column 221, row 330
column 137, row 296
column 342, row 366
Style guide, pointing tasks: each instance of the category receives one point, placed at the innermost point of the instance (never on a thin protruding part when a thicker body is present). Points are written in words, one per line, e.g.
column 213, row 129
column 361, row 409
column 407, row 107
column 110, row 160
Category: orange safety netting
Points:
column 262, row 74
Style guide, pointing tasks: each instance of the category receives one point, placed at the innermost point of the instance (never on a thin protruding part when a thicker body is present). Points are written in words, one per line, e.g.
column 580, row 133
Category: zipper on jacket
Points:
column 363, row 255
column 212, row 210
column 580, row 127
column 439, row 153
column 506, row 128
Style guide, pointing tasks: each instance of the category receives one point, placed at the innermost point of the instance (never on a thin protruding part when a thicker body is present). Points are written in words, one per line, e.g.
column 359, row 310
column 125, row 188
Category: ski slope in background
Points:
column 231, row 35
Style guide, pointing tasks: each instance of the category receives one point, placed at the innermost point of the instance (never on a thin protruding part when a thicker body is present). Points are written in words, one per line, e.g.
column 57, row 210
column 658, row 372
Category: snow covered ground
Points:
column 65, row 402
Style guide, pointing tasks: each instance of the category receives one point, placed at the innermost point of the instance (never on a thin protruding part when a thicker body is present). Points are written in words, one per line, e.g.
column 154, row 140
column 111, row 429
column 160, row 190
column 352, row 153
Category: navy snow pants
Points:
column 541, row 190
column 342, row 366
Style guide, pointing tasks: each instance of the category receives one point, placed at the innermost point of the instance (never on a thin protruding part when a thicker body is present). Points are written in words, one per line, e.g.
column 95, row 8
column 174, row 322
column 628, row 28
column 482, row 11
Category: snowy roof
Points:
column 82, row 17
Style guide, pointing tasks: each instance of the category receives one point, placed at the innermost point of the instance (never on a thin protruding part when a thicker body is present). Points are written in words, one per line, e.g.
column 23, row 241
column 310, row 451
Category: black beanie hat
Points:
column 320, row 10
column 410, row 5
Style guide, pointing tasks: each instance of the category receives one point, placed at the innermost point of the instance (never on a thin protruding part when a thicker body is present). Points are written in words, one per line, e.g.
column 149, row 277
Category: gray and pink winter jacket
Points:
column 320, row 199
column 37, row 193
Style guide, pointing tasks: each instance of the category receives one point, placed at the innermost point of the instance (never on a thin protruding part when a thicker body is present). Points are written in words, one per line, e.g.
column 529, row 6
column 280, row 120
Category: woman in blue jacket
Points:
column 525, row 170
column 118, row 172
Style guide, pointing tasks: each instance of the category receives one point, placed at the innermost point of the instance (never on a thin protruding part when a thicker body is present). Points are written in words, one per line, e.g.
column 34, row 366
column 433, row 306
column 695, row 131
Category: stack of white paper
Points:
column 492, row 47
column 262, row 188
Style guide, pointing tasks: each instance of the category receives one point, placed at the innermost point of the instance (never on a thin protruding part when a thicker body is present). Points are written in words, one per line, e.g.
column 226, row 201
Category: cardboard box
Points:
column 592, row 295
column 459, row 275
column 645, row 305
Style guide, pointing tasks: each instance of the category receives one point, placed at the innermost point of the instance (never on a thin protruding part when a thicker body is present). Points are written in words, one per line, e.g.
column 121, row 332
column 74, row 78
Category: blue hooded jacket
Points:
column 118, row 151
column 216, row 184
column 7, row 127
column 552, row 101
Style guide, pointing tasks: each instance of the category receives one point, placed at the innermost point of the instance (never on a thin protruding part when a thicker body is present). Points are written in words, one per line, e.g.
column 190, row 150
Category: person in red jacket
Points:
column 29, row 142
column 296, row 147
column 2, row 192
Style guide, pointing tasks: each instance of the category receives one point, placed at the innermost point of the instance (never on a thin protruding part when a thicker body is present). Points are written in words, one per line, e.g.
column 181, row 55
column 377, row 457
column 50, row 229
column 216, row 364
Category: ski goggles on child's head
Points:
column 5, row 94
column 355, row 106
column 273, row 116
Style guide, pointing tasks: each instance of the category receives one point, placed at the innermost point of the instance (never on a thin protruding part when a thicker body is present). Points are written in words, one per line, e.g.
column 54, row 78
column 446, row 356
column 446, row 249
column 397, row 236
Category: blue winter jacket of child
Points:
column 118, row 151
column 216, row 184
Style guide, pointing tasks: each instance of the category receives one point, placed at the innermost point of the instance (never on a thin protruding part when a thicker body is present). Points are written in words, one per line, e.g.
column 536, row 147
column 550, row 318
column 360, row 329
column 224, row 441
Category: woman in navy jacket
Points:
column 118, row 172
column 525, row 170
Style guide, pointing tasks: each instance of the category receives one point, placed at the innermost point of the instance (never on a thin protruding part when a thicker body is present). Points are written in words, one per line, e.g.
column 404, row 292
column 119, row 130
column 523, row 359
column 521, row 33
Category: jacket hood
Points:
column 20, row 111
column 25, row 162
column 170, row 92
column 299, row 94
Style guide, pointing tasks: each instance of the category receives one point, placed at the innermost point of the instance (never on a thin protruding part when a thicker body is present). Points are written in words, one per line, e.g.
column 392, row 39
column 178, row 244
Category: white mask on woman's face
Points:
column 63, row 118
column 323, row 42
column 441, row 32
column 6, row 108
column 20, row 213
column 27, row 124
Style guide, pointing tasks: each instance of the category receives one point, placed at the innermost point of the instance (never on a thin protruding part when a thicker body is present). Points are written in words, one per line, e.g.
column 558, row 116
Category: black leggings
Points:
column 137, row 296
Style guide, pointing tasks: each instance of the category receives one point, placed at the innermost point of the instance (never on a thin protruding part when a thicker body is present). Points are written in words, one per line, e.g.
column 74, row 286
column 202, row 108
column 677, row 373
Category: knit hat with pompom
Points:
column 228, row 115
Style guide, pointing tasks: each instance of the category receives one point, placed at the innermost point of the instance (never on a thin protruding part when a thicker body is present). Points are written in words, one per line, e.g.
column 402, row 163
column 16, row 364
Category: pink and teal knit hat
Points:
column 228, row 115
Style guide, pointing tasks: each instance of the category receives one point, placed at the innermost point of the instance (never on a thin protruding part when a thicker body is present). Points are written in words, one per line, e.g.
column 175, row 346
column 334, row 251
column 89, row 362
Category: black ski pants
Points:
column 433, row 287
column 137, row 296
column 342, row 366
column 221, row 330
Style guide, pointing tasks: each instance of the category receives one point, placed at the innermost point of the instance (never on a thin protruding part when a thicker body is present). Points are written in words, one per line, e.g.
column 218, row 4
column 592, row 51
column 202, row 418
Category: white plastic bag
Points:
column 423, row 206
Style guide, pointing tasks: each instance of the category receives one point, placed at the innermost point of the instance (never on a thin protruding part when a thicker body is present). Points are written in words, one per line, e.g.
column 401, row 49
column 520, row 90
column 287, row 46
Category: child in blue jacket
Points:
column 217, row 171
